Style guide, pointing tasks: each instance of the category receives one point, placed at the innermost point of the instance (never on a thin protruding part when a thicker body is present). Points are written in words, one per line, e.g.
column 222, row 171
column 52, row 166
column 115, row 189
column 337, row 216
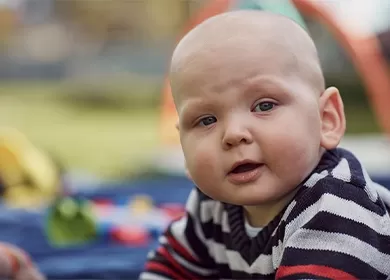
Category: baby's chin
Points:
column 248, row 201
column 242, row 198
column 252, row 194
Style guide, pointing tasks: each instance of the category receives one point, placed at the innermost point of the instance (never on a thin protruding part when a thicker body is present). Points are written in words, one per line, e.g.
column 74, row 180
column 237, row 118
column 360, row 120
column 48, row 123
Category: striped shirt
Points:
column 337, row 226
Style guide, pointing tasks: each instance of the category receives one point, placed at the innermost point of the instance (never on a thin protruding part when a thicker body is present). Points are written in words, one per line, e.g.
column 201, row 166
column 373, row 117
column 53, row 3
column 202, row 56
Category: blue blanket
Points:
column 96, row 260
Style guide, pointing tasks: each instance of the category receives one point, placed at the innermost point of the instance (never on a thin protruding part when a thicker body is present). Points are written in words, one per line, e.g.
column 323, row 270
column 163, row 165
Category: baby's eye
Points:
column 206, row 121
column 264, row 106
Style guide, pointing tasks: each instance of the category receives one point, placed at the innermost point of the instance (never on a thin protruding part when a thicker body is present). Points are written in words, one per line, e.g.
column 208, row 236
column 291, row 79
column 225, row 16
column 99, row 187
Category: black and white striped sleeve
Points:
column 337, row 232
column 182, row 252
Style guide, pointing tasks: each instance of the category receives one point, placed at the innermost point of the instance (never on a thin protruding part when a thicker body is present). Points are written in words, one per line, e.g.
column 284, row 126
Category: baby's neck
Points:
column 261, row 215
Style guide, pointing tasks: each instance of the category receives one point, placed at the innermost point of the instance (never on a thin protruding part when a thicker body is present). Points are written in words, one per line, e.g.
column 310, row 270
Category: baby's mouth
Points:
column 244, row 172
column 245, row 167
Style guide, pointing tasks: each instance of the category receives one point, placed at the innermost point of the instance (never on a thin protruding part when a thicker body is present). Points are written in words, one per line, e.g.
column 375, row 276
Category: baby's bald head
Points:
column 248, row 85
column 262, row 38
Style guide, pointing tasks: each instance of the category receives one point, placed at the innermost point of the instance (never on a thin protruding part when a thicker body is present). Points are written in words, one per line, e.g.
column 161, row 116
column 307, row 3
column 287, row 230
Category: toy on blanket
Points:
column 29, row 178
column 136, row 222
column 71, row 221
column 16, row 264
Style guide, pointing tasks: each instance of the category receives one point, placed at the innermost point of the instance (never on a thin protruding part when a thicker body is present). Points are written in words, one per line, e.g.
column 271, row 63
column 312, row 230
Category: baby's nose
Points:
column 236, row 134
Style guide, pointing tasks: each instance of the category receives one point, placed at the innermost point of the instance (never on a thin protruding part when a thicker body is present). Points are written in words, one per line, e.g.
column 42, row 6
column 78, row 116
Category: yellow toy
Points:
column 28, row 177
column 141, row 204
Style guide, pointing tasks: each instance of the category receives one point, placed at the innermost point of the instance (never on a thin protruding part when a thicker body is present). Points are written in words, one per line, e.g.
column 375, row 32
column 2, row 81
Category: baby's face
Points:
column 250, row 129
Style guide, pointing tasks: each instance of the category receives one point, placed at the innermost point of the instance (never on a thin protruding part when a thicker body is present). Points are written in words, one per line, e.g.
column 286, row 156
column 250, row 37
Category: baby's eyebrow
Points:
column 193, row 105
column 268, row 85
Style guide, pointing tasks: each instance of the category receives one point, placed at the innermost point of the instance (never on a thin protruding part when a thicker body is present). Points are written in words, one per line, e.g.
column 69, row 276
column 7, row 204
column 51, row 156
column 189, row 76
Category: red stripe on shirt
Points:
column 180, row 249
column 317, row 270
column 158, row 267
column 178, row 267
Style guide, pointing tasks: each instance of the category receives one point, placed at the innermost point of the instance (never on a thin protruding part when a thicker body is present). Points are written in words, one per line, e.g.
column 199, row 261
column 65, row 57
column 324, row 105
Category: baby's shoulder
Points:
column 340, row 179
column 331, row 200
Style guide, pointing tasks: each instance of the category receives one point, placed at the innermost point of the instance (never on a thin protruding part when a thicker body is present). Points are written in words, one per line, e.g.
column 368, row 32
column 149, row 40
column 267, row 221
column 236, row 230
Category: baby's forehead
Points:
column 220, row 93
column 231, row 67
column 212, row 54
column 236, row 48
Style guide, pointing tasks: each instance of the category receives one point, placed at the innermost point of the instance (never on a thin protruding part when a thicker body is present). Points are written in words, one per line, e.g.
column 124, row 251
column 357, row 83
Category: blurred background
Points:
column 82, row 79
column 81, row 85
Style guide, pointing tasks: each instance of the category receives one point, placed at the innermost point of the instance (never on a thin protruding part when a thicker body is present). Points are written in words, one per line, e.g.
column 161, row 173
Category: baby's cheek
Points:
column 293, row 156
column 201, row 163
column 202, row 160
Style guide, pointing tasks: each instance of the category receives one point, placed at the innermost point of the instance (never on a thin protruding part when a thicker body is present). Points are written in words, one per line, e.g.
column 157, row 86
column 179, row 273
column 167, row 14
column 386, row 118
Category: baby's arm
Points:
column 182, row 252
column 340, row 235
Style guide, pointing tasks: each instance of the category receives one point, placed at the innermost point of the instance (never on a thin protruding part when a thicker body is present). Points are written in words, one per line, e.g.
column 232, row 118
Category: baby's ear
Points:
column 332, row 118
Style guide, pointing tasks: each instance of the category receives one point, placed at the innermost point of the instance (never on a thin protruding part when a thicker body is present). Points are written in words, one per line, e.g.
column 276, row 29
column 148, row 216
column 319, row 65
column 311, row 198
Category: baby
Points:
column 274, row 196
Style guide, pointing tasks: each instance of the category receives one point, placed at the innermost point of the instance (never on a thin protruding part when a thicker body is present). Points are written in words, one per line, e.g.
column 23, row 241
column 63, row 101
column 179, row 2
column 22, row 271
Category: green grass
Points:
column 360, row 120
column 103, row 141
column 113, row 137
